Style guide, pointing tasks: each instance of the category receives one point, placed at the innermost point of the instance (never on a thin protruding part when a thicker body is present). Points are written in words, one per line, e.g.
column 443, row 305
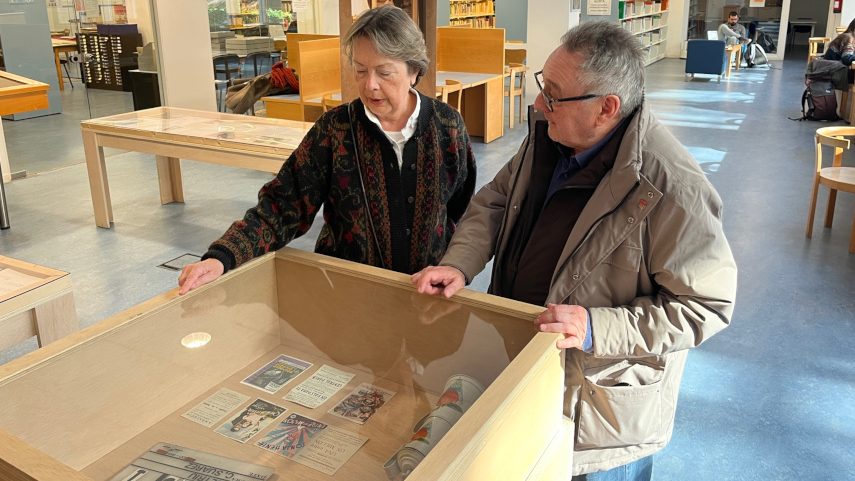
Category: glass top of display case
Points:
column 291, row 339
column 197, row 126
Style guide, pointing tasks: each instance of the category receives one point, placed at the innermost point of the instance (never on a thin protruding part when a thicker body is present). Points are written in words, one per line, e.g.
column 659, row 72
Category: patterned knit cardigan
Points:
column 323, row 171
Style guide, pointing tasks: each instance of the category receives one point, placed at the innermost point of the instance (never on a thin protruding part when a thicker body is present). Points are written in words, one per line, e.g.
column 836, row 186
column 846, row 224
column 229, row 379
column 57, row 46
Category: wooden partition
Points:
column 476, row 58
column 476, row 50
column 319, row 73
column 293, row 39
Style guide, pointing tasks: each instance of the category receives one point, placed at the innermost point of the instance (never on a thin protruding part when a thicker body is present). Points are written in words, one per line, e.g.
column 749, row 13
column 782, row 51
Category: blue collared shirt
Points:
column 569, row 165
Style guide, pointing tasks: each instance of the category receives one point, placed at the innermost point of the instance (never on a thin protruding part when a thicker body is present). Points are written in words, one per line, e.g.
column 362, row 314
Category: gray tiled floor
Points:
column 771, row 397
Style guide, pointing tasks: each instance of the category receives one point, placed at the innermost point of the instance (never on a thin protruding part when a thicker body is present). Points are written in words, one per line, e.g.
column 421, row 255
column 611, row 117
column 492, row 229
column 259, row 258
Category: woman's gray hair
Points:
column 394, row 35
column 613, row 62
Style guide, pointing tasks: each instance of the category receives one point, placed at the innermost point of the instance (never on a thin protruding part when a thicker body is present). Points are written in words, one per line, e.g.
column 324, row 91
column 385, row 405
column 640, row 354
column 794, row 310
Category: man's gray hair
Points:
column 394, row 35
column 613, row 62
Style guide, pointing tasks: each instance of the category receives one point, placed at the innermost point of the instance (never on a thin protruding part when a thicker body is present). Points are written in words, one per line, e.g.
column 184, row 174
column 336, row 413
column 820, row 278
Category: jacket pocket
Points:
column 625, row 257
column 620, row 405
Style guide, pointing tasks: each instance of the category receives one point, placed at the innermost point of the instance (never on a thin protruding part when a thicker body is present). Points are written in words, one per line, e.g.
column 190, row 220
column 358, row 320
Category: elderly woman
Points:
column 405, row 155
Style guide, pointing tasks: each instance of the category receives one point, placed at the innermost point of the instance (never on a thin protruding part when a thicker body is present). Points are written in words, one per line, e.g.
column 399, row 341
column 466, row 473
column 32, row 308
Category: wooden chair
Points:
column 835, row 177
column 451, row 86
column 329, row 102
column 514, row 55
column 839, row 30
column 813, row 47
column 512, row 71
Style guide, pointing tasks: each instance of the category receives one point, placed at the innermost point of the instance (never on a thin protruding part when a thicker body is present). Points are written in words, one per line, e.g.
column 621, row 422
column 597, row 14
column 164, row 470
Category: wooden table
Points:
column 483, row 102
column 61, row 45
column 172, row 134
column 34, row 301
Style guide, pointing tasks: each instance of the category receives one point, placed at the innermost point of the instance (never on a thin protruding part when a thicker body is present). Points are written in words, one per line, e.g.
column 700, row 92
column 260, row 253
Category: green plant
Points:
column 278, row 15
column 217, row 17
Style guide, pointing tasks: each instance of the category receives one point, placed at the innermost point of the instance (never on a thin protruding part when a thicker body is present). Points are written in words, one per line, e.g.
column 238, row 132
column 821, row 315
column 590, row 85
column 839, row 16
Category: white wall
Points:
column 678, row 24
column 548, row 20
column 183, row 43
column 139, row 12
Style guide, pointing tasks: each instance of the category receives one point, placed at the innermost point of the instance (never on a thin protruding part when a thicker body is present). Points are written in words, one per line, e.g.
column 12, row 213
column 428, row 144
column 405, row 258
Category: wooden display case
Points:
column 34, row 301
column 19, row 94
column 88, row 405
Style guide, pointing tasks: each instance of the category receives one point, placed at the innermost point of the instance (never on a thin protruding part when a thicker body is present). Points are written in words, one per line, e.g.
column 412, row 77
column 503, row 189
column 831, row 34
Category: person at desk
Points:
column 607, row 221
column 393, row 170
column 733, row 33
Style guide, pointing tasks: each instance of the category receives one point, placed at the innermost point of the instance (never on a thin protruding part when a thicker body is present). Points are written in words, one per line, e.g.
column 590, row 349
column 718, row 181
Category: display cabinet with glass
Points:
column 182, row 370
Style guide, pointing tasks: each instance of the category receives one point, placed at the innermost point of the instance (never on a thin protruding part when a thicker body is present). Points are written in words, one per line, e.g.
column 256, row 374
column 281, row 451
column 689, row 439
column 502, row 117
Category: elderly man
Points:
column 605, row 219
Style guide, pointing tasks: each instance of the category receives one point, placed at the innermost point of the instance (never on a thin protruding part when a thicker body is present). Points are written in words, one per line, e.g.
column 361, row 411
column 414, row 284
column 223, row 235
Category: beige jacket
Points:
column 648, row 259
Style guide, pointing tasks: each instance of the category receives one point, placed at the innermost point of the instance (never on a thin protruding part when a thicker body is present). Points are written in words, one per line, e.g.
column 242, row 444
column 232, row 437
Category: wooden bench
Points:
column 34, row 301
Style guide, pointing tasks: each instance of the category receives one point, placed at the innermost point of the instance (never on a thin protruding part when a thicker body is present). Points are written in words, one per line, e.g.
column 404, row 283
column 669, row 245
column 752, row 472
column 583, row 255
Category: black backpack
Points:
column 818, row 100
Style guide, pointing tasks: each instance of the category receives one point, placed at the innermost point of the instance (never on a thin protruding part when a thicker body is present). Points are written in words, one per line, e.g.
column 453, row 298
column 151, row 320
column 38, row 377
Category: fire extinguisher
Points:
column 838, row 6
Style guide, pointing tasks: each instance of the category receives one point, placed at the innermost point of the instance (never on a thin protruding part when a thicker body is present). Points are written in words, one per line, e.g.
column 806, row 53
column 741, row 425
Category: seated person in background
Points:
column 393, row 169
column 842, row 48
column 733, row 33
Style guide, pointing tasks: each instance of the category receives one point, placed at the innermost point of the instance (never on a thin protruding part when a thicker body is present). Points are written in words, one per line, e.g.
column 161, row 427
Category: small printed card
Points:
column 276, row 373
column 323, row 384
column 362, row 403
column 251, row 420
column 312, row 443
column 214, row 409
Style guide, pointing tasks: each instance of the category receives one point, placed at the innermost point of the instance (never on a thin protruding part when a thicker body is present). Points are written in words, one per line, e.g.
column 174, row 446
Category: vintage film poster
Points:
column 362, row 403
column 169, row 462
column 213, row 409
column 276, row 373
column 251, row 420
column 312, row 443
column 323, row 384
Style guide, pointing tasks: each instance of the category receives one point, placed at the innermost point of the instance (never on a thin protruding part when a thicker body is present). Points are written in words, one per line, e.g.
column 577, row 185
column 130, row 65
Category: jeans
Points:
column 640, row 470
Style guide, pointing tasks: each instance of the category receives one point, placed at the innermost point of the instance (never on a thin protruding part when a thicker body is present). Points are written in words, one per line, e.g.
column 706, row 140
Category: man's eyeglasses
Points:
column 538, row 77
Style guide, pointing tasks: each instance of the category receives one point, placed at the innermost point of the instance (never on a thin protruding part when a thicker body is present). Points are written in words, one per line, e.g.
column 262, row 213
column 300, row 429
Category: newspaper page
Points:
column 214, row 409
column 323, row 384
column 312, row 443
column 171, row 462
column 276, row 373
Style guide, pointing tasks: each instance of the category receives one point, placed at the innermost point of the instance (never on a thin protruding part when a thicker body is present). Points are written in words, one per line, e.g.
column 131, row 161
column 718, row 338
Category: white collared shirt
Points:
column 400, row 138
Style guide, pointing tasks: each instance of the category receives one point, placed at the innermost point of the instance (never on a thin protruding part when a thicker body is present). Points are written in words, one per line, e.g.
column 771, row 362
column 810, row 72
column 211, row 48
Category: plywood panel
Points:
column 479, row 50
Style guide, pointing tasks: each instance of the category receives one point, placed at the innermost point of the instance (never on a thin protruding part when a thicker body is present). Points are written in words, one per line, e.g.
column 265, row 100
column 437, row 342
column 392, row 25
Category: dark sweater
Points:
column 437, row 182
column 541, row 232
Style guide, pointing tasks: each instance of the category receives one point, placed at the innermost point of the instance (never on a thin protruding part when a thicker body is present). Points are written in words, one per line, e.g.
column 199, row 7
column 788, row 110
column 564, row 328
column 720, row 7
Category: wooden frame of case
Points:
column 91, row 403
column 44, row 308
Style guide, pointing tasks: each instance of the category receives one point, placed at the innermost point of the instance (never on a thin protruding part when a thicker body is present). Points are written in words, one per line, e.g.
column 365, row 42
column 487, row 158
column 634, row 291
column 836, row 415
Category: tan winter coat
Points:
column 648, row 259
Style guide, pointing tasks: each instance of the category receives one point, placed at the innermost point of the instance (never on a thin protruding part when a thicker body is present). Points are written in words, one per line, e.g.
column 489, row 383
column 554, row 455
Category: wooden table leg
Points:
column 55, row 319
column 729, row 61
column 98, row 185
column 58, row 69
column 494, row 109
column 169, row 179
